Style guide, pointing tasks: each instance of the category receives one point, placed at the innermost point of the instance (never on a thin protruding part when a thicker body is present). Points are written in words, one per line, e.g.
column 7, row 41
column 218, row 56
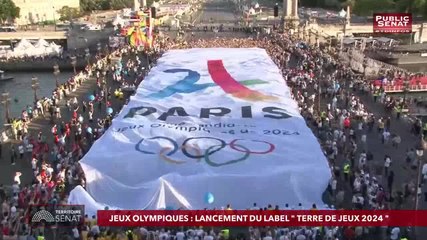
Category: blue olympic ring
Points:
column 175, row 146
column 207, row 153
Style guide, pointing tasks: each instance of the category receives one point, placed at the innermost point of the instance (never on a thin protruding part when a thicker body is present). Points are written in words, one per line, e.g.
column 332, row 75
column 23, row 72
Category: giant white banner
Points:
column 206, row 128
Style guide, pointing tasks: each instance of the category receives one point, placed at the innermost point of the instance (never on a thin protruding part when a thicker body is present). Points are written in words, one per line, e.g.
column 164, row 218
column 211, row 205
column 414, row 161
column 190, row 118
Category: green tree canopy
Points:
column 368, row 7
column 88, row 5
column 67, row 14
column 8, row 10
column 120, row 4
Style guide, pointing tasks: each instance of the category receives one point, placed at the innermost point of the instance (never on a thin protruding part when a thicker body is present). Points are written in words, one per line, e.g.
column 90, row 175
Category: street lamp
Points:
column 35, row 86
column 104, row 74
column 303, row 33
column 87, row 55
column 420, row 152
column 106, row 50
column 406, row 89
column 56, row 72
column 316, row 37
column 73, row 63
column 5, row 100
column 343, row 15
column 54, row 17
column 98, row 47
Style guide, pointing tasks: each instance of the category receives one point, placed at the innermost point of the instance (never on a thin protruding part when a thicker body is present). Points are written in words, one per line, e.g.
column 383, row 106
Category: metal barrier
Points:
column 400, row 88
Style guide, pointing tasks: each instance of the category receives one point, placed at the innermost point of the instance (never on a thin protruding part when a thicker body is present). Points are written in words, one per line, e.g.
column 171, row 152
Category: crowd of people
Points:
column 74, row 125
column 331, row 97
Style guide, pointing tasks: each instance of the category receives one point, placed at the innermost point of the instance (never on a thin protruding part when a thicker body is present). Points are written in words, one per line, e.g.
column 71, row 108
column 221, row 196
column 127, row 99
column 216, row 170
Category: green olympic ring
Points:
column 214, row 164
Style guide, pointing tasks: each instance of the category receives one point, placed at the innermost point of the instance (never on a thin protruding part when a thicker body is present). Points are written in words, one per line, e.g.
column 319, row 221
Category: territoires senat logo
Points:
column 221, row 78
column 56, row 215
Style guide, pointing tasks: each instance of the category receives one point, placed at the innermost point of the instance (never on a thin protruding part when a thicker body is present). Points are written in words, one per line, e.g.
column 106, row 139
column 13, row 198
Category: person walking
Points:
column 396, row 140
column 390, row 180
column 13, row 155
column 346, row 171
column 387, row 164
column 388, row 123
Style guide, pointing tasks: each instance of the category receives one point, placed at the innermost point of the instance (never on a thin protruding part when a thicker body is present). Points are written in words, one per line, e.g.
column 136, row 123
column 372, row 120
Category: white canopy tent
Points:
column 41, row 43
column 23, row 49
column 55, row 49
column 40, row 49
column 119, row 21
column 24, row 44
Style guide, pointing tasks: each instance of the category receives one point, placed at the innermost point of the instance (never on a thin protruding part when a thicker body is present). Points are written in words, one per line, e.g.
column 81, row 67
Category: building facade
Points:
column 35, row 11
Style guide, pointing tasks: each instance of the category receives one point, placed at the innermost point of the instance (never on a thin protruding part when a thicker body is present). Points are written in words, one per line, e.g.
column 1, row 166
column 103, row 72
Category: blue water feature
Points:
column 21, row 93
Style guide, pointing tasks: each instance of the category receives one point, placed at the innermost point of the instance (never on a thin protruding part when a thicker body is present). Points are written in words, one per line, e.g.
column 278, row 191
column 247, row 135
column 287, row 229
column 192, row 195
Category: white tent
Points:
column 41, row 43
column 24, row 48
column 118, row 21
column 24, row 44
column 42, row 48
column 54, row 49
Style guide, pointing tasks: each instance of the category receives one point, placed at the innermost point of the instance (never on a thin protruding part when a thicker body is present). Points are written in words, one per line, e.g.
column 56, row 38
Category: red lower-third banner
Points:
column 236, row 218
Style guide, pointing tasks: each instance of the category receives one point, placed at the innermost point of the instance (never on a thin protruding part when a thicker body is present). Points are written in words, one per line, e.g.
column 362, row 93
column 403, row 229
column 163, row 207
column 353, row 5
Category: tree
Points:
column 8, row 11
column 368, row 7
column 103, row 4
column 120, row 4
column 351, row 3
column 416, row 7
column 88, row 5
column 67, row 14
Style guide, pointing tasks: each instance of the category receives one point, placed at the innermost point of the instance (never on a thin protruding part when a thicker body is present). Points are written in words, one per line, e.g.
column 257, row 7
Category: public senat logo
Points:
column 220, row 77
column 392, row 23
column 56, row 215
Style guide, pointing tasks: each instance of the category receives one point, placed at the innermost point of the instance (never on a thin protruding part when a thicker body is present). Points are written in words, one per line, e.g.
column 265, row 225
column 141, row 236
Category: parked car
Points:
column 7, row 29
column 95, row 27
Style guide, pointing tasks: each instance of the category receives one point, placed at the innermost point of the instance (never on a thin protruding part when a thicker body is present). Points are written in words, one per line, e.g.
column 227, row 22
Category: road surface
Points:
column 217, row 11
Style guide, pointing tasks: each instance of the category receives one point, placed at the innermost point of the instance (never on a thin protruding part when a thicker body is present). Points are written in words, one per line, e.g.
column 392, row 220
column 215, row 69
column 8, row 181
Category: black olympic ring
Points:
column 221, row 146
column 214, row 164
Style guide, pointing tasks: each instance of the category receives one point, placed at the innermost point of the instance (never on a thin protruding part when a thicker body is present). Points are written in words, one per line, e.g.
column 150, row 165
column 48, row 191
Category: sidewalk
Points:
column 43, row 124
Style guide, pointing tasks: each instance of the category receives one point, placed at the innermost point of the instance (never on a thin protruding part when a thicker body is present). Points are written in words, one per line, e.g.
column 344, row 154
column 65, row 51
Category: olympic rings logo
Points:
column 190, row 149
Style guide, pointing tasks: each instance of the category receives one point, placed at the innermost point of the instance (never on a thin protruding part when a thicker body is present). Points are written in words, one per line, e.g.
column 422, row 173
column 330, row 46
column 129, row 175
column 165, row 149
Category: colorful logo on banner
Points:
column 190, row 149
column 221, row 78
column 392, row 23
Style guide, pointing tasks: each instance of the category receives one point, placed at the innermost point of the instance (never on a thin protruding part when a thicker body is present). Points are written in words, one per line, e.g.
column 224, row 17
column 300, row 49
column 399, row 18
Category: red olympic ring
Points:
column 234, row 146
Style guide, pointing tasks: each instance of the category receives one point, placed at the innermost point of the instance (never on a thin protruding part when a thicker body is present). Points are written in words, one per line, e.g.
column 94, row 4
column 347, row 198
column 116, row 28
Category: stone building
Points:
column 34, row 11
